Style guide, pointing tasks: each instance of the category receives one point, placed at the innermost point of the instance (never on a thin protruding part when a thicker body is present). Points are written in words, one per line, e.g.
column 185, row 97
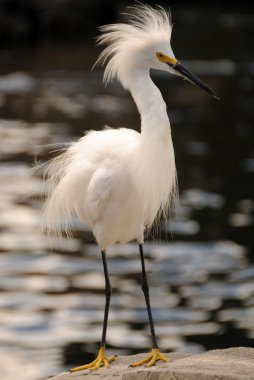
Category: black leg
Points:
column 145, row 289
column 108, row 296
column 102, row 359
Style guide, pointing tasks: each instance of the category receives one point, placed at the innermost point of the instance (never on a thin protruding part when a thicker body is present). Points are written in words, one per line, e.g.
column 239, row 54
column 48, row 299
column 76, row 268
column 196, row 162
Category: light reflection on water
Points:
column 201, row 282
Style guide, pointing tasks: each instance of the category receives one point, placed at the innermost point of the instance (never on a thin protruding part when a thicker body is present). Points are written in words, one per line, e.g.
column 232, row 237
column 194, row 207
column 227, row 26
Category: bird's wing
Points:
column 99, row 190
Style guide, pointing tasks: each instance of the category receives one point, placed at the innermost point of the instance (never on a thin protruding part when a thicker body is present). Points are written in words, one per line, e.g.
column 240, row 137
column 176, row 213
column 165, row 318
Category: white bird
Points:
column 118, row 181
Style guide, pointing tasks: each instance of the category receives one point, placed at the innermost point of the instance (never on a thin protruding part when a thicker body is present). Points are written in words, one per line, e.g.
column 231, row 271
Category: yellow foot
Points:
column 101, row 360
column 151, row 359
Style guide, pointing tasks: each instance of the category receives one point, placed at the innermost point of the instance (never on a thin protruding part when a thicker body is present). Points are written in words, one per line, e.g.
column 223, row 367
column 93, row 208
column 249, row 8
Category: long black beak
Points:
column 192, row 78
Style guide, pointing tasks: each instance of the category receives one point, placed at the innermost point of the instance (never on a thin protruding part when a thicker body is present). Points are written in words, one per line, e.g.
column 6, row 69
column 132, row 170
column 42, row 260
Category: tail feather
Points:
column 62, row 186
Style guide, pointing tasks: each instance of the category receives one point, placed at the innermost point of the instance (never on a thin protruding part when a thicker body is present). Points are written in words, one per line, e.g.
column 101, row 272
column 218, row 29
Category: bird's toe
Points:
column 101, row 360
column 151, row 359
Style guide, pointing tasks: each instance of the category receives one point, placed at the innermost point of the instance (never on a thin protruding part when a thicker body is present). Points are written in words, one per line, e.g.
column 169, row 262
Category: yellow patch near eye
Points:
column 164, row 58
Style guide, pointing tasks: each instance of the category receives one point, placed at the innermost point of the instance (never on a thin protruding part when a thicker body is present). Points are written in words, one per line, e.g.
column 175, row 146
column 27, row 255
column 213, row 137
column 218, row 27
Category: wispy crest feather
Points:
column 144, row 24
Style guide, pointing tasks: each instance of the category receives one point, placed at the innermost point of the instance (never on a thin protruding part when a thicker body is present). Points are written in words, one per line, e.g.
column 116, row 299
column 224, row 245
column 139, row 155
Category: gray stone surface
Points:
column 228, row 364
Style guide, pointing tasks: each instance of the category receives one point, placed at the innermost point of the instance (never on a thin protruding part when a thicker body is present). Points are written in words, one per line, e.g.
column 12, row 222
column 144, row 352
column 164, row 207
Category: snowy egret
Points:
column 118, row 180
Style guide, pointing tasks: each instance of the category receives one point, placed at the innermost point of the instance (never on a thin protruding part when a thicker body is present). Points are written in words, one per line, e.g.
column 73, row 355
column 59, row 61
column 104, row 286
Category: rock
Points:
column 228, row 364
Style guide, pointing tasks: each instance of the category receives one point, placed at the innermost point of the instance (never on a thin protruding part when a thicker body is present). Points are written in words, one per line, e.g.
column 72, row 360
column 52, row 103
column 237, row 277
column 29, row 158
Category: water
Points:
column 202, row 281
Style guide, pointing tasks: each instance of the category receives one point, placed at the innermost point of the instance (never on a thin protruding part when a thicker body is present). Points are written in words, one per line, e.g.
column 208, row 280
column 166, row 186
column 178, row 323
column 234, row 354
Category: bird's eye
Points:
column 159, row 55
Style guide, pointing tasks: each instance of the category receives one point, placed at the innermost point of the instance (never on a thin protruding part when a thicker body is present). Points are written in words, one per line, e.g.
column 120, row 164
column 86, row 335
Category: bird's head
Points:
column 141, row 44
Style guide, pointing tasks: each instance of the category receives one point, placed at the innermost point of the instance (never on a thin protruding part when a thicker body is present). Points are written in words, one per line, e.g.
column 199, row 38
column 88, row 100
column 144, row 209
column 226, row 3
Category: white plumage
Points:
column 132, row 46
column 118, row 181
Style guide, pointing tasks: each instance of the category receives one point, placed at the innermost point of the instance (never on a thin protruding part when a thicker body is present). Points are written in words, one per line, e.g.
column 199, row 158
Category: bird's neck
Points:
column 152, row 108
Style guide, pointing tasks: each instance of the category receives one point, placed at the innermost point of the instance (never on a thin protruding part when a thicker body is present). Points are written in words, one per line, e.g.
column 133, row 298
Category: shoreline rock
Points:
column 235, row 363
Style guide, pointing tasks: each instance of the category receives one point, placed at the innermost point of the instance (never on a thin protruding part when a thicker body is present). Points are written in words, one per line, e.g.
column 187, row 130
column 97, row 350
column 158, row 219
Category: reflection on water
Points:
column 202, row 288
